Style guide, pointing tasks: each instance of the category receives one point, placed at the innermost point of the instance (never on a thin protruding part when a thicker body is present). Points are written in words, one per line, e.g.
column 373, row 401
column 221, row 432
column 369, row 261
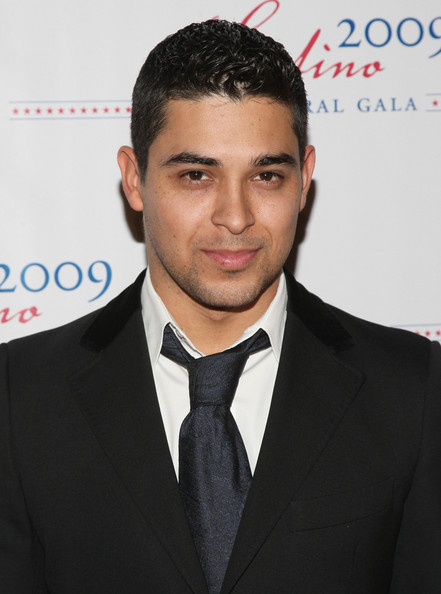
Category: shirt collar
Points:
column 156, row 316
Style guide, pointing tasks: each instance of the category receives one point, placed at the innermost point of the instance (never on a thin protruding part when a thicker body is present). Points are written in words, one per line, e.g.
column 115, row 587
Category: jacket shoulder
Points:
column 365, row 330
column 372, row 346
column 91, row 331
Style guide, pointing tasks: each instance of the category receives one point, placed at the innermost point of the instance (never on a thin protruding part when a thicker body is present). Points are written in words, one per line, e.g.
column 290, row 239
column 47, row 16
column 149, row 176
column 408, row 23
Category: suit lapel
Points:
column 116, row 393
column 312, row 392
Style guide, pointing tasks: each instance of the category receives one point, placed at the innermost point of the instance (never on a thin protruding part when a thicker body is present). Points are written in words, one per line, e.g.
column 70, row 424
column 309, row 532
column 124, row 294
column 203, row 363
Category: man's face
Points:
column 221, row 197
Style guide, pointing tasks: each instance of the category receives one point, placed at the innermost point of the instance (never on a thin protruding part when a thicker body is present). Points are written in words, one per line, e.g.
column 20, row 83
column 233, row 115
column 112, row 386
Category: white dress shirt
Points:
column 252, row 401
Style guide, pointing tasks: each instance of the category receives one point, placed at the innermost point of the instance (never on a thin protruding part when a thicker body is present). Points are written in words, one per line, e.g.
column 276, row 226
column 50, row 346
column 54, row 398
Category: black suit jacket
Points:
column 346, row 496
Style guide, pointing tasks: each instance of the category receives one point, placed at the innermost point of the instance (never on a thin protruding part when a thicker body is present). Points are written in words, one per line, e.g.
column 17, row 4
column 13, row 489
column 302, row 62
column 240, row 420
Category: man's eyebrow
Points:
column 278, row 159
column 190, row 159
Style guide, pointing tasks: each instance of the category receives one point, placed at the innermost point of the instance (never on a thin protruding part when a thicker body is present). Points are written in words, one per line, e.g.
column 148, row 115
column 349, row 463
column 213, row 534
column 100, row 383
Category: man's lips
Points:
column 231, row 258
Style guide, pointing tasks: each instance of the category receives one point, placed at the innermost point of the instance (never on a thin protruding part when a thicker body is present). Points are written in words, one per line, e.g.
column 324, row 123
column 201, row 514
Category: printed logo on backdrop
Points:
column 315, row 60
column 92, row 280
column 70, row 110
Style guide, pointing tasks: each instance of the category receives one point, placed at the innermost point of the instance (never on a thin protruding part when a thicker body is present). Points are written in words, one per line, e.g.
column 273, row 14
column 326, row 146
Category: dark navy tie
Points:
column 214, row 472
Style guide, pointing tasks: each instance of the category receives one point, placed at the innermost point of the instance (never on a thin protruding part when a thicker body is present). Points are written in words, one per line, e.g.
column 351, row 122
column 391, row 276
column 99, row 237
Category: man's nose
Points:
column 232, row 208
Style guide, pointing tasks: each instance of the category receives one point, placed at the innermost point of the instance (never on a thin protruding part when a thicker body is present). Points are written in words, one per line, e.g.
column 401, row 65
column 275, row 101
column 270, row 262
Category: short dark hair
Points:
column 213, row 58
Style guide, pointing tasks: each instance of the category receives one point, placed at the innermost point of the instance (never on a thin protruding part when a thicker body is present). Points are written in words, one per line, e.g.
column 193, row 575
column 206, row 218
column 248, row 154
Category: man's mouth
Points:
column 231, row 259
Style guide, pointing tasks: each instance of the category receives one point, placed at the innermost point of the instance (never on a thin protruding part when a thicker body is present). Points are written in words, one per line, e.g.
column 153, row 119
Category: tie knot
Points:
column 213, row 379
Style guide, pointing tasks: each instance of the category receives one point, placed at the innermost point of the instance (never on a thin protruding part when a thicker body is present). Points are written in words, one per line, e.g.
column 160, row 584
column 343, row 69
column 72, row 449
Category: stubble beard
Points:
column 232, row 294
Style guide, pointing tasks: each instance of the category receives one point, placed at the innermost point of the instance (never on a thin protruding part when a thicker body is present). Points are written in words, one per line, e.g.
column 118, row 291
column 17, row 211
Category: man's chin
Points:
column 240, row 298
column 228, row 304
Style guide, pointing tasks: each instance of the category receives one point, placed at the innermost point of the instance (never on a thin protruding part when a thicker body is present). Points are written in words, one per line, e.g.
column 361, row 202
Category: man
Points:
column 337, row 420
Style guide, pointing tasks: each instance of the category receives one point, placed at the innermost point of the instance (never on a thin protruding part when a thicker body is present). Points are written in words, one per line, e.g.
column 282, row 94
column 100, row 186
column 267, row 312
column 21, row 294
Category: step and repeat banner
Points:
column 369, row 239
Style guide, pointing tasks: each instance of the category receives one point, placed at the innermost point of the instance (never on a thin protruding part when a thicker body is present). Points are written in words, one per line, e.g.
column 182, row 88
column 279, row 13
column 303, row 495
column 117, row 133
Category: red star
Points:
column 60, row 110
column 27, row 110
column 427, row 332
column 95, row 110
column 128, row 109
column 83, row 110
column 117, row 109
column 49, row 110
column 38, row 110
column 72, row 110
column 438, row 332
column 106, row 110
column 15, row 111
column 435, row 102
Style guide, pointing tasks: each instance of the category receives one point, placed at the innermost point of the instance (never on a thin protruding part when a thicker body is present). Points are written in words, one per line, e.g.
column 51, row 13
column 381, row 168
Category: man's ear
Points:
column 307, row 171
column 130, row 177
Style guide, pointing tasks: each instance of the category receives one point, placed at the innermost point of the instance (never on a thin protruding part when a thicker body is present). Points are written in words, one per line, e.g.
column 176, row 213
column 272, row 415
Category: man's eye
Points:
column 195, row 175
column 268, row 176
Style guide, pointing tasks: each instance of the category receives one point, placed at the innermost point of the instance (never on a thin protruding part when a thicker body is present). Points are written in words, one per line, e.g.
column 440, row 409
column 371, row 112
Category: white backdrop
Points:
column 369, row 241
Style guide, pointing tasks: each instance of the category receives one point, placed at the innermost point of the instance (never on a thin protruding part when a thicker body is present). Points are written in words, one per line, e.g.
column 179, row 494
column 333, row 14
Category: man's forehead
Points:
column 174, row 103
column 215, row 130
column 183, row 112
